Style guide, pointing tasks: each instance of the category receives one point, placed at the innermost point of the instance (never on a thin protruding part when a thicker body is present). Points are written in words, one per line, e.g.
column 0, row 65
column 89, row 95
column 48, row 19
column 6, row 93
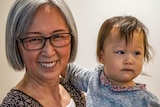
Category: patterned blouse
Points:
column 16, row 98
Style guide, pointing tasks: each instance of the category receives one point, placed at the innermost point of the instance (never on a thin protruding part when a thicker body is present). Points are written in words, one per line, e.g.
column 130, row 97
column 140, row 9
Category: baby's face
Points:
column 123, row 62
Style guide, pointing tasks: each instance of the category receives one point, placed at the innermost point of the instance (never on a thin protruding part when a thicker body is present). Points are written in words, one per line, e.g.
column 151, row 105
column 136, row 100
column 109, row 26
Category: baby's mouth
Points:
column 127, row 70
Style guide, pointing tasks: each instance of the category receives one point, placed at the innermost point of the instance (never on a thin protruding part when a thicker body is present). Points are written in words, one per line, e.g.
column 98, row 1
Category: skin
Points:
column 43, row 67
column 122, row 63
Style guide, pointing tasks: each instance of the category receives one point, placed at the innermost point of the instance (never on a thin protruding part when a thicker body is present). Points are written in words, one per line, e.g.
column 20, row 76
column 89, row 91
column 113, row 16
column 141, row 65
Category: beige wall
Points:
column 8, row 77
column 89, row 15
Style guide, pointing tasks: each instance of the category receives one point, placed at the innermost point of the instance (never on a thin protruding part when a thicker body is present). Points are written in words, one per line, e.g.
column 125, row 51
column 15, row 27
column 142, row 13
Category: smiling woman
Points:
column 89, row 20
column 42, row 41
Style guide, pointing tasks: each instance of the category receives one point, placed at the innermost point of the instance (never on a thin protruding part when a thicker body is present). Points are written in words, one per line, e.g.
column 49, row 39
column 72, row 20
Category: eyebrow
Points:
column 56, row 31
column 140, row 47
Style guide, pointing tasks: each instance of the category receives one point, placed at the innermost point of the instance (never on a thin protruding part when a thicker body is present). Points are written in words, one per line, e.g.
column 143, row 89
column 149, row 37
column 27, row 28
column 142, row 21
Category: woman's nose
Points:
column 48, row 49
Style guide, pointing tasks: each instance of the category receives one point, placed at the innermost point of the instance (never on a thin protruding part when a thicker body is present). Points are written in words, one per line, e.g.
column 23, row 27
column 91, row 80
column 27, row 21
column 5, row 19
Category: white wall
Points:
column 89, row 15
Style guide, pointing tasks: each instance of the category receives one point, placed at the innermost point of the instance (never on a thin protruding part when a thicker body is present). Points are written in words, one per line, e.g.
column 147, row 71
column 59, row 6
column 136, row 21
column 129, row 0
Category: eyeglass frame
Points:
column 44, row 41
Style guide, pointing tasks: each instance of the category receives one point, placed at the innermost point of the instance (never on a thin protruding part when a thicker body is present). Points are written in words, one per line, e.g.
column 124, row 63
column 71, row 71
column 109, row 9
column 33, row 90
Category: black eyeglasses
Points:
column 38, row 42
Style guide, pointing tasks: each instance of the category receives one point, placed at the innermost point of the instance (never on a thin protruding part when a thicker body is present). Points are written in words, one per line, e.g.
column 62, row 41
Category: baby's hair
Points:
column 125, row 25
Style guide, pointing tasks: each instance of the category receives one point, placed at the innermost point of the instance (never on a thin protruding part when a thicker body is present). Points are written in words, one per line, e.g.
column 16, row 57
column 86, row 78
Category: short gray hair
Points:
column 20, row 17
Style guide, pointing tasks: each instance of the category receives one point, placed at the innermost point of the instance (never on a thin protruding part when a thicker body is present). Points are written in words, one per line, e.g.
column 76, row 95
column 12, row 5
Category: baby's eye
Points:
column 136, row 53
column 120, row 52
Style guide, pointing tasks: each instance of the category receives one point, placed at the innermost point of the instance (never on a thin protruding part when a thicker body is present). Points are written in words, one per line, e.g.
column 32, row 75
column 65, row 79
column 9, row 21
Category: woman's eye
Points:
column 35, row 40
column 120, row 52
column 57, row 37
column 32, row 39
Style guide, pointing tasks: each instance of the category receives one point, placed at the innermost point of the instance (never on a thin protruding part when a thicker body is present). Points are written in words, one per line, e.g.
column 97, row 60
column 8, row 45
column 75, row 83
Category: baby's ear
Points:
column 101, row 57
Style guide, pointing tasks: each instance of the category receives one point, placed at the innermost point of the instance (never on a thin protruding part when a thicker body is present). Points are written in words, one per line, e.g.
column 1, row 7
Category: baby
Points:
column 122, row 48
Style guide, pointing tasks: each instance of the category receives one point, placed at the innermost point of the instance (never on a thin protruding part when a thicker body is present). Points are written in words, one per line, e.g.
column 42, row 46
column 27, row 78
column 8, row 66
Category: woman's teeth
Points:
column 48, row 64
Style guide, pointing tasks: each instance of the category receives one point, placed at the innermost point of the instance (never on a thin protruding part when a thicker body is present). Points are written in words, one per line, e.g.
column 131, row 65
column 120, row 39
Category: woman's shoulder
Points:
column 19, row 99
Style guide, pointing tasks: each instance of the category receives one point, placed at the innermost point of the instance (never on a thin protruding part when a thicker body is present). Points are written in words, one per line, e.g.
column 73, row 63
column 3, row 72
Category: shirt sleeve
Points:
column 153, row 100
column 78, row 76
column 81, row 77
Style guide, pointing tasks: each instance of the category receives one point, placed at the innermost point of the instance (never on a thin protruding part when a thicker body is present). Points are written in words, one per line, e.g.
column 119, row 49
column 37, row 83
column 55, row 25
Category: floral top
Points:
column 17, row 98
column 115, row 88
column 101, row 93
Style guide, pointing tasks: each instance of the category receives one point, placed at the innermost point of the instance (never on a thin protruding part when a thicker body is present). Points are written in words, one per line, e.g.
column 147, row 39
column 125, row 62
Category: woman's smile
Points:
column 48, row 64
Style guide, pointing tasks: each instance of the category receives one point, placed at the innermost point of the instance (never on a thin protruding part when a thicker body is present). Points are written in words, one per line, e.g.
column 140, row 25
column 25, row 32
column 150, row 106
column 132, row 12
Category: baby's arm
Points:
column 79, row 76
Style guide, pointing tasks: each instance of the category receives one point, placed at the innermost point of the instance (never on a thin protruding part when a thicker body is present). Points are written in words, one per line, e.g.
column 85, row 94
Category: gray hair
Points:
column 20, row 17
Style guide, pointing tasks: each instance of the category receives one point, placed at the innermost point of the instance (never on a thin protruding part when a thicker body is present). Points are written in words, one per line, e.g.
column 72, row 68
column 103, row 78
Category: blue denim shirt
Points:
column 101, row 93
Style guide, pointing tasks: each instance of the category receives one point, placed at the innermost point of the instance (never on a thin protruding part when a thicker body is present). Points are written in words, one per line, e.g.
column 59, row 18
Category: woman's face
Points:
column 48, row 62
